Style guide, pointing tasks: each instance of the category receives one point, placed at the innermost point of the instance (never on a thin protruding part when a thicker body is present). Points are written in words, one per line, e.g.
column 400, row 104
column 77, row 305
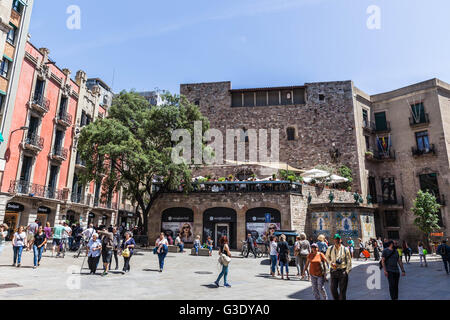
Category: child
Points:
column 421, row 254
column 197, row 244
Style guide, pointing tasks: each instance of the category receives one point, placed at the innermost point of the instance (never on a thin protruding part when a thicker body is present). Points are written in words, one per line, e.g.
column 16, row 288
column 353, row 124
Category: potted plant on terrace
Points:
column 369, row 155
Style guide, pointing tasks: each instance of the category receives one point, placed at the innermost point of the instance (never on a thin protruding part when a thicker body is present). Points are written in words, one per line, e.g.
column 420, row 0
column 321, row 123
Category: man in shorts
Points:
column 58, row 231
column 67, row 233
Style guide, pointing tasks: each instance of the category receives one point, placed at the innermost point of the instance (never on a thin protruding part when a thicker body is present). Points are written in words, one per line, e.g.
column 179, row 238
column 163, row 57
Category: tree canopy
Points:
column 131, row 148
column 425, row 209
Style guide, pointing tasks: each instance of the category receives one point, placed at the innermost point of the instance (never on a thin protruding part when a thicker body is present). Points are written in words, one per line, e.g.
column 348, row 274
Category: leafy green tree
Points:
column 132, row 147
column 346, row 172
column 425, row 209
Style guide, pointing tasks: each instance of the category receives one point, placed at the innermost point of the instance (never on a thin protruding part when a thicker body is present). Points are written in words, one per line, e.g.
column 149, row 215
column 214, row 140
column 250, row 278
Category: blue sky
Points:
column 152, row 44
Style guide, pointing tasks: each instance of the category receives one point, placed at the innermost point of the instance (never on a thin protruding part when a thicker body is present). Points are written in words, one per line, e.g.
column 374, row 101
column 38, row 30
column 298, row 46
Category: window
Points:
column 63, row 107
column 373, row 189
column 83, row 119
column 388, row 190
column 244, row 135
column 423, row 142
column 236, row 99
column 286, row 97
column 2, row 101
column 197, row 102
column 380, row 121
column 365, row 118
column 274, row 98
column 52, row 181
column 249, row 99
column 418, row 113
column 18, row 6
column 39, row 90
column 290, row 134
column 321, row 97
column 32, row 129
column 4, row 68
column 11, row 37
column 25, row 173
column 59, row 136
column 393, row 235
column 299, row 96
column 367, row 142
column 391, row 218
column 261, row 98
column 428, row 182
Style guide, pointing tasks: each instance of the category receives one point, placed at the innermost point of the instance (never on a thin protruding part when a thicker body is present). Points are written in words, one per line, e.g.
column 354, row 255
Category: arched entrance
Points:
column 218, row 222
column 259, row 221
column 178, row 220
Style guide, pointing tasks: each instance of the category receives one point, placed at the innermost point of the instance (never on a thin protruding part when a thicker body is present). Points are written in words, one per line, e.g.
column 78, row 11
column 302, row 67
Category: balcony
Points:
column 368, row 127
column 40, row 104
column 239, row 187
column 382, row 128
column 22, row 187
column 79, row 198
column 79, row 163
column 59, row 154
column 376, row 156
column 421, row 123
column 416, row 152
column 64, row 119
column 105, row 205
column 33, row 142
column 398, row 203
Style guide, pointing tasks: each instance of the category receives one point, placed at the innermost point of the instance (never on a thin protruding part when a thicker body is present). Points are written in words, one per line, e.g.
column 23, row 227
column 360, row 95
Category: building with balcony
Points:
column 395, row 143
column 42, row 163
column 15, row 18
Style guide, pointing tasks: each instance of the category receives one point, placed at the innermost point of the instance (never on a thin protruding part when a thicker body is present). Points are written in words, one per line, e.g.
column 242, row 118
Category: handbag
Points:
column 224, row 259
column 126, row 253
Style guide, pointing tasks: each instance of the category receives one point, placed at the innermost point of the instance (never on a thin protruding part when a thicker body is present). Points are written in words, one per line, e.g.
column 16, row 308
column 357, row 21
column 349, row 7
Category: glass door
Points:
column 221, row 230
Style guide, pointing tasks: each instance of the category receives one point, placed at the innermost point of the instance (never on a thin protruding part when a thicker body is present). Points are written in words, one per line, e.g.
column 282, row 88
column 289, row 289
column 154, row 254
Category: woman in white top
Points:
column 19, row 241
column 3, row 235
column 421, row 254
column 273, row 255
column 162, row 248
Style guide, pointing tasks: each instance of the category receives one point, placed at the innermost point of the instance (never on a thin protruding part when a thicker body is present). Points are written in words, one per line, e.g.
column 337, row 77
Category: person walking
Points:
column 3, row 236
column 305, row 250
column 116, row 245
column 317, row 263
column 107, row 240
column 209, row 244
column 283, row 255
column 95, row 247
column 39, row 241
column 376, row 250
column 225, row 262
column 179, row 243
column 19, row 241
column 351, row 247
column 31, row 231
column 161, row 249
column 66, row 235
column 58, row 231
column 323, row 246
column 297, row 255
column 341, row 265
column 197, row 244
column 444, row 251
column 362, row 247
column 128, row 245
column 390, row 261
column 273, row 255
column 250, row 246
column 48, row 234
column 422, row 256
column 407, row 251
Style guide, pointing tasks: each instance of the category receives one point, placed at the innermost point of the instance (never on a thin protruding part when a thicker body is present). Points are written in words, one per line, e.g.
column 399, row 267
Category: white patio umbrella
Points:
column 315, row 174
column 334, row 179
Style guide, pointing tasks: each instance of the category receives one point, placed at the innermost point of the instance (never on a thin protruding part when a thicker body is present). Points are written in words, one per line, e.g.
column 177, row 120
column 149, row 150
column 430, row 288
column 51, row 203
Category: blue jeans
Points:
column 196, row 248
column 273, row 263
column 223, row 274
column 181, row 246
column 17, row 254
column 284, row 264
column 37, row 254
column 161, row 257
column 210, row 248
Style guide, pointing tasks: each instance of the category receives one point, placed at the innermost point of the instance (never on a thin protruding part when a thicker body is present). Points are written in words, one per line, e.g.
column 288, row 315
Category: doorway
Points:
column 222, row 229
column 11, row 219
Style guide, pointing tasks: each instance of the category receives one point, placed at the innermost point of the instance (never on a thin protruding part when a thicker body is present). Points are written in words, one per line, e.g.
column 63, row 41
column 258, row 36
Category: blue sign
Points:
column 268, row 218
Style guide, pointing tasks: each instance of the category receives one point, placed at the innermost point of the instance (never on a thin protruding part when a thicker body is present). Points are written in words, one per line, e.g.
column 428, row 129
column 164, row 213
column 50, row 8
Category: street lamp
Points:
column 8, row 151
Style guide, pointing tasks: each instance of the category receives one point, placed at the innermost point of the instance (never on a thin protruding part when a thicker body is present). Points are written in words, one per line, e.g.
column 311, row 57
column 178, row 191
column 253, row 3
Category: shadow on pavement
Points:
column 210, row 286
column 151, row 270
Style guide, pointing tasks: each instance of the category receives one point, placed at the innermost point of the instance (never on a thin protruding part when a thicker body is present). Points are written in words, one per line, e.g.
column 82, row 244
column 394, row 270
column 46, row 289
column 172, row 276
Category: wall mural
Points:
column 367, row 226
column 321, row 223
column 347, row 224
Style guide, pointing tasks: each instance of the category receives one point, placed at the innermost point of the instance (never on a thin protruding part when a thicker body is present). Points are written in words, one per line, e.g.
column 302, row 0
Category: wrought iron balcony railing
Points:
column 34, row 141
column 36, row 190
column 64, row 118
column 397, row 202
column 40, row 103
column 416, row 152
column 59, row 153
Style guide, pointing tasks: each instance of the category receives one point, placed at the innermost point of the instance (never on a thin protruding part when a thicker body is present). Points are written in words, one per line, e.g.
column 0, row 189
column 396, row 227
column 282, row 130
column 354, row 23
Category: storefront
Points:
column 127, row 219
column 13, row 214
column 43, row 214
column 258, row 221
column 91, row 218
column 178, row 220
column 218, row 222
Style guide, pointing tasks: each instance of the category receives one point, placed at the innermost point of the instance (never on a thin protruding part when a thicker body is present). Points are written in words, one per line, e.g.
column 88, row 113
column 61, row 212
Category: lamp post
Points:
column 23, row 128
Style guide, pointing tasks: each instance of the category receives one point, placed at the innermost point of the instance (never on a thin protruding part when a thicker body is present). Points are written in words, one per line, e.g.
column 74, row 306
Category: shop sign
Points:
column 43, row 209
column 16, row 207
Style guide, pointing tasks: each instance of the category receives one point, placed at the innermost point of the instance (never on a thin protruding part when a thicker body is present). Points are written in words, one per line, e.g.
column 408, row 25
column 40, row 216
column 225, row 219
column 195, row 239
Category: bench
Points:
column 174, row 249
column 201, row 252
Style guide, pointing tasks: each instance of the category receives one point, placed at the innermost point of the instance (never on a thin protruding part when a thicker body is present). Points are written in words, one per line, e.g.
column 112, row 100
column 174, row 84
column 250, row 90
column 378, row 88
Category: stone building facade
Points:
column 391, row 155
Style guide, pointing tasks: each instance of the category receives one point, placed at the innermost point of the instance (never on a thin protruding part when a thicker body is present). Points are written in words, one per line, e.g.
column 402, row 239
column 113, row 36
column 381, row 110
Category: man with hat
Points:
column 341, row 265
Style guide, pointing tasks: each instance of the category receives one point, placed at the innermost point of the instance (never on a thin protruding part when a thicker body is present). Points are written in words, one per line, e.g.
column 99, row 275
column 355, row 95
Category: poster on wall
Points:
column 347, row 224
column 173, row 228
column 321, row 223
column 259, row 229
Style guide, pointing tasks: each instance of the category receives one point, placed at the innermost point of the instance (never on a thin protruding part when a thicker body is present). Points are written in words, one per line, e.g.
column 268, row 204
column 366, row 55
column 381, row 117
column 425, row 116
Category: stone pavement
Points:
column 191, row 277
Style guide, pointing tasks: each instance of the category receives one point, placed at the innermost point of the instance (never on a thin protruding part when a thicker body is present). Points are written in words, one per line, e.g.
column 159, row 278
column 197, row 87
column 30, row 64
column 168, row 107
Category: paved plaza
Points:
column 191, row 277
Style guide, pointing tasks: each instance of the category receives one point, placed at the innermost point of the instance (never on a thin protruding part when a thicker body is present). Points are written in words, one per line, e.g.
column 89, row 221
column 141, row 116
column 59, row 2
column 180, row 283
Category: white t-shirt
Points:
column 19, row 239
column 420, row 250
column 177, row 240
column 163, row 241
column 273, row 248
column 67, row 231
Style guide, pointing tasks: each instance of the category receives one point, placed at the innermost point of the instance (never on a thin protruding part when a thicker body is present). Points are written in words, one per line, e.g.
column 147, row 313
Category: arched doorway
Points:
column 259, row 221
column 178, row 220
column 218, row 222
